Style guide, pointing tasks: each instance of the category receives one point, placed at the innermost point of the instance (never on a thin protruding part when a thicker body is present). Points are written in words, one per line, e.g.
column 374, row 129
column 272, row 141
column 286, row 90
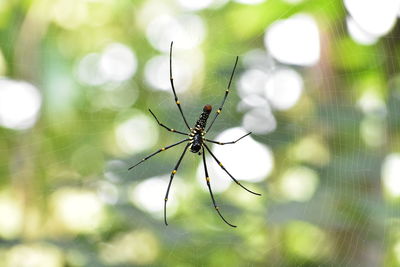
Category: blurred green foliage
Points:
column 67, row 199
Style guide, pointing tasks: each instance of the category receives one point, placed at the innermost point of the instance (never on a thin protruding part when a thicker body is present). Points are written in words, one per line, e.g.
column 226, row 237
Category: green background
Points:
column 68, row 164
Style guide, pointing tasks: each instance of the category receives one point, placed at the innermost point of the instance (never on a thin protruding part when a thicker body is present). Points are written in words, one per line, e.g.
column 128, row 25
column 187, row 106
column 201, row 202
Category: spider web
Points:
column 347, row 205
column 346, row 221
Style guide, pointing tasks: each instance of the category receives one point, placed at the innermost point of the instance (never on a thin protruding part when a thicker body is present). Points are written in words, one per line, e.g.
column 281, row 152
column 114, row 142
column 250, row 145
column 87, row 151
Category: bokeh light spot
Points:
column 252, row 82
column 149, row 195
column 259, row 120
column 11, row 216
column 218, row 183
column 299, row 183
column 187, row 31
column 391, row 174
column 246, row 160
column 88, row 70
column 371, row 102
column 80, row 211
column 307, row 241
column 19, row 104
column 252, row 102
column 157, row 74
column 312, row 150
column 138, row 247
column 259, row 59
column 136, row 134
column 358, row 34
column 35, row 255
column 249, row 2
column 376, row 17
column 108, row 192
column 372, row 130
column 118, row 62
column 283, row 88
column 195, row 4
column 117, row 96
column 69, row 14
column 294, row 40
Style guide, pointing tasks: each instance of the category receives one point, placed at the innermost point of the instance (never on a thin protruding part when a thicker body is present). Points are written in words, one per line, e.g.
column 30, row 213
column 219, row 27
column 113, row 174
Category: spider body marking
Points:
column 196, row 140
column 198, row 132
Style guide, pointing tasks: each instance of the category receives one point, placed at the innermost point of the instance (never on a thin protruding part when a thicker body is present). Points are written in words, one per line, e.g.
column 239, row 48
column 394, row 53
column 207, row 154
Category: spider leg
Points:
column 221, row 143
column 211, row 193
column 158, row 151
column 230, row 175
column 170, row 182
column 166, row 127
column 226, row 95
column 173, row 87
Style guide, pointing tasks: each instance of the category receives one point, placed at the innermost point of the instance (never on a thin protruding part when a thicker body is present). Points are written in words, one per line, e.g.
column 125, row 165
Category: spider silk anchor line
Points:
column 196, row 141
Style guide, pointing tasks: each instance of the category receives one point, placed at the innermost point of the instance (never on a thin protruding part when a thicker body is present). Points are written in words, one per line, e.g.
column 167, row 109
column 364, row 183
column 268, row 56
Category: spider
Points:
column 196, row 141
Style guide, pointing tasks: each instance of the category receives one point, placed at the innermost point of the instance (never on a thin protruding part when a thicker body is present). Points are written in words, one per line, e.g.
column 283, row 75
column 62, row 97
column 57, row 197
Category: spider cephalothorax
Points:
column 196, row 141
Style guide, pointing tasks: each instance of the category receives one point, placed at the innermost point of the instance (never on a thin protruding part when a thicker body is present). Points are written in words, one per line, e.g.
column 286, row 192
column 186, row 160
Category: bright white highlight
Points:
column 294, row 40
column 88, row 70
column 218, row 183
column 252, row 101
column 108, row 192
column 11, row 216
column 19, row 104
column 34, row 255
column 376, row 17
column 250, row 2
column 238, row 159
column 119, row 97
column 371, row 102
column 149, row 195
column 283, row 88
column 259, row 59
column 252, row 82
column 186, row 31
column 136, row 134
column 157, row 74
column 391, row 174
column 136, row 248
column 358, row 34
column 118, row 62
column 299, row 183
column 195, row 4
column 260, row 120
column 78, row 210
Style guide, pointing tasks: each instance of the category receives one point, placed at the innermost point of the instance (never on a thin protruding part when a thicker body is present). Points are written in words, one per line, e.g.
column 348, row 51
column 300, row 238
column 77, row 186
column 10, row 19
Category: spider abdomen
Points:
column 196, row 143
column 198, row 131
column 201, row 122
